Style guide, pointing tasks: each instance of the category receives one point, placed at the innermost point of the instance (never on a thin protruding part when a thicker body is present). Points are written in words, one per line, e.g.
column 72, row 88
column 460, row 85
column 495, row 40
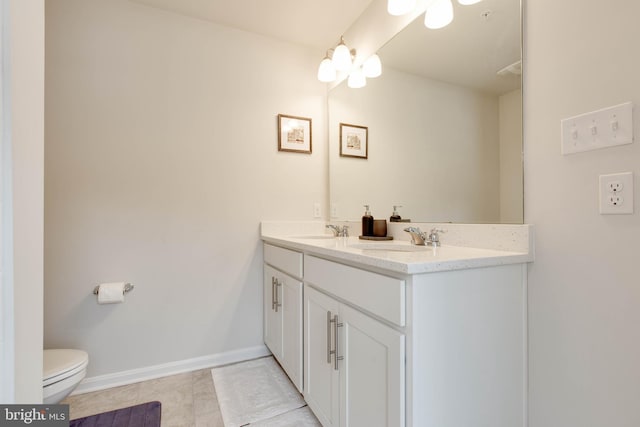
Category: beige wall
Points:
column 510, row 122
column 161, row 159
column 23, row 85
column 584, row 287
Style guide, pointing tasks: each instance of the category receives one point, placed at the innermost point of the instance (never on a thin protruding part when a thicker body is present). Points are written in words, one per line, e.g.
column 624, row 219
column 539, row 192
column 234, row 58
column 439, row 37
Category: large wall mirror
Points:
column 444, row 123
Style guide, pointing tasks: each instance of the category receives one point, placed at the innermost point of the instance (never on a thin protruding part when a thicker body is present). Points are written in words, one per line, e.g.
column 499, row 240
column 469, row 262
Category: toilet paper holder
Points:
column 127, row 288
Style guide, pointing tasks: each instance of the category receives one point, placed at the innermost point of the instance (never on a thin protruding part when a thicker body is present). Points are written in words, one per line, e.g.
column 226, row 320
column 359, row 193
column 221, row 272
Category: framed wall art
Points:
column 354, row 141
column 294, row 134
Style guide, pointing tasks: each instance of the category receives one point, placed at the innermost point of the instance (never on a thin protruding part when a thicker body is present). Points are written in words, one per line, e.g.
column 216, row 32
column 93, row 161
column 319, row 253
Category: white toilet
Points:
column 63, row 371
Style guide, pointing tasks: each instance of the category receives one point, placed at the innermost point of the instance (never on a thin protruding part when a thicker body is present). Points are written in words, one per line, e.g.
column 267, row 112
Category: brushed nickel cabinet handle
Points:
column 336, row 325
column 273, row 293
column 329, row 351
column 277, row 303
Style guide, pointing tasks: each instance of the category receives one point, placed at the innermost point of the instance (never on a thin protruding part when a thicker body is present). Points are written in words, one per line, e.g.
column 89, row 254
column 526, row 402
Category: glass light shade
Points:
column 326, row 71
column 400, row 7
column 439, row 14
column 468, row 2
column 357, row 79
column 341, row 58
column 372, row 67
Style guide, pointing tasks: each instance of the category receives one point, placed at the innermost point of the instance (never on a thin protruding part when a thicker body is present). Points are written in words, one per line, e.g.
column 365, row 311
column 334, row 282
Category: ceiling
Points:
column 312, row 23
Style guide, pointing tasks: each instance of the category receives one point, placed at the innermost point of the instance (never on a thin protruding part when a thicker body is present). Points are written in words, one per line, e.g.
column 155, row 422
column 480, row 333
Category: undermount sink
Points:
column 398, row 247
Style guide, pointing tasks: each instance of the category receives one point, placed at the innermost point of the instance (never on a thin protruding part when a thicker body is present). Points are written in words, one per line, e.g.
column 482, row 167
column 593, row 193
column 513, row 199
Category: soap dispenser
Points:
column 367, row 222
column 395, row 216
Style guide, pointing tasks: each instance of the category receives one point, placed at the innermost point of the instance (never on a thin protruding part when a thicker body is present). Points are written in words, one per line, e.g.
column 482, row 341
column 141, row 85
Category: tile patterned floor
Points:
column 188, row 400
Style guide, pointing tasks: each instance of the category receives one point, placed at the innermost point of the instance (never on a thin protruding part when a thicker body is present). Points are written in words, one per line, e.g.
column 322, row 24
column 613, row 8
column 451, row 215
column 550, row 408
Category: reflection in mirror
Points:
column 444, row 124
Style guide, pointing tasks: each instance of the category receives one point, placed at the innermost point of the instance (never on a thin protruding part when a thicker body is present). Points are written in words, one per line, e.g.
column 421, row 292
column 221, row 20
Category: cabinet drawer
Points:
column 381, row 295
column 284, row 260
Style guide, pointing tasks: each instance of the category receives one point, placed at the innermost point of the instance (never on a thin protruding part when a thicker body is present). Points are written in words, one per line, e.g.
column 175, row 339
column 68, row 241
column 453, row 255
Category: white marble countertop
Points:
column 398, row 256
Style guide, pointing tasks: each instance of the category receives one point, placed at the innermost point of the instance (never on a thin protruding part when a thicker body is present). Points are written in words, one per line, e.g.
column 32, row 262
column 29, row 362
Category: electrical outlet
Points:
column 316, row 210
column 616, row 193
column 615, row 186
column 615, row 201
column 334, row 210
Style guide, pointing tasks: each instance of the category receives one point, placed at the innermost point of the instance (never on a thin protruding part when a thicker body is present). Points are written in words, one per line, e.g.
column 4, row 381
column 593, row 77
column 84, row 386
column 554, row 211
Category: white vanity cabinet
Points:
column 354, row 363
column 402, row 338
column 283, row 309
column 446, row 348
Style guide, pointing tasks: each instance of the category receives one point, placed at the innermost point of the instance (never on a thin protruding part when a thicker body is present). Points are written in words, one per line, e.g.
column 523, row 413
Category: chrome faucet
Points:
column 339, row 231
column 417, row 236
column 421, row 239
column 434, row 238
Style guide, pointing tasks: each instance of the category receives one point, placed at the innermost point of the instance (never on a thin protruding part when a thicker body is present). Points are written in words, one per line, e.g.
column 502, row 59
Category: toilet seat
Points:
column 60, row 364
column 63, row 371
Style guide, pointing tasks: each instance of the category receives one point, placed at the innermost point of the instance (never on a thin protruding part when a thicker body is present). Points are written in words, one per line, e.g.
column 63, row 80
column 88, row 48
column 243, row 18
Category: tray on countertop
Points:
column 375, row 238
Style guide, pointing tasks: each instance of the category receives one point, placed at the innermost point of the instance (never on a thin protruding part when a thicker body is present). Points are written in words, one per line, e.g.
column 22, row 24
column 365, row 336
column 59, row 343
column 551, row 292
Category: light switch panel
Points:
column 599, row 129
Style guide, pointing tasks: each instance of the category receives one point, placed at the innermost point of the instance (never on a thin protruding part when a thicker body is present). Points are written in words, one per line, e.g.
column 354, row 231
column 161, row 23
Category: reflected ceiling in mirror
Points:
column 482, row 40
column 444, row 123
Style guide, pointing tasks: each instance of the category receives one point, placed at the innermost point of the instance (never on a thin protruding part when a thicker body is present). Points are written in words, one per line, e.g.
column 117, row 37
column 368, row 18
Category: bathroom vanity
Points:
column 391, row 334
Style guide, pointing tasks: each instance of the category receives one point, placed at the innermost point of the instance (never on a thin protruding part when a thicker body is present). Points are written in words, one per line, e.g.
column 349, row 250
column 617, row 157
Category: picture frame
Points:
column 354, row 141
column 294, row 134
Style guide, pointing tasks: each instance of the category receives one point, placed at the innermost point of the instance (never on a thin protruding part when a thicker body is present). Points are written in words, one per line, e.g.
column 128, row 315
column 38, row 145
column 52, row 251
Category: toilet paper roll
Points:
column 111, row 293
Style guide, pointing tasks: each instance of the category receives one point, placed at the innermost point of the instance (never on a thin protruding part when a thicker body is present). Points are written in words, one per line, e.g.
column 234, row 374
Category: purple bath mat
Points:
column 143, row 415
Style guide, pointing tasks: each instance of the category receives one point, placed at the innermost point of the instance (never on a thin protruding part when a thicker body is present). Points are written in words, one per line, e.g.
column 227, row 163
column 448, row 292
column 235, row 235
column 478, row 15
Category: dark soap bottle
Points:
column 395, row 216
column 367, row 222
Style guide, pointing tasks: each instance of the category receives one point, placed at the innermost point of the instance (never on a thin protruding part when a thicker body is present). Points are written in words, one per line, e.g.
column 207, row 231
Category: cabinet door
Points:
column 321, row 380
column 290, row 296
column 272, row 319
column 372, row 375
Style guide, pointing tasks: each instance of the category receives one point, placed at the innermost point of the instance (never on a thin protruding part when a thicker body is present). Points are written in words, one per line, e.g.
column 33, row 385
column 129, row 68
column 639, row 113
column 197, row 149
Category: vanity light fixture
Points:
column 342, row 57
column 439, row 13
column 372, row 67
column 400, row 7
column 357, row 79
column 326, row 71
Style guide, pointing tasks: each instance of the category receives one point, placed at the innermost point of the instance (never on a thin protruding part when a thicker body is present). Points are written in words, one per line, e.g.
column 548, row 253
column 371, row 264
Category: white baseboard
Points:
column 102, row 382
